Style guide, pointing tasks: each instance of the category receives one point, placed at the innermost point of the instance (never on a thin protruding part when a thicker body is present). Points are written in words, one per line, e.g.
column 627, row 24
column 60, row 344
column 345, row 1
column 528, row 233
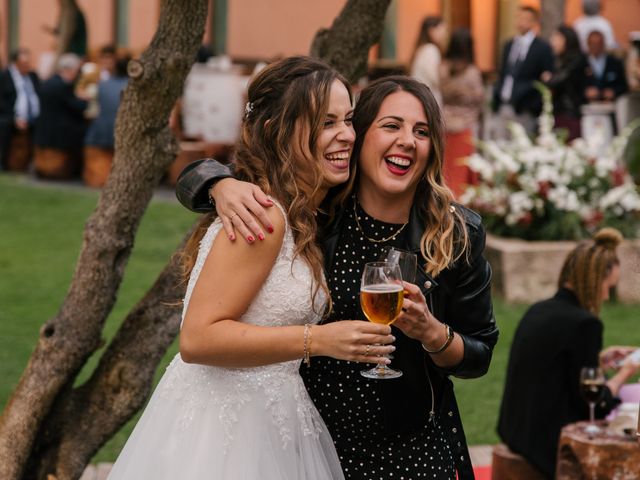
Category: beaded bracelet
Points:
column 446, row 343
column 306, row 351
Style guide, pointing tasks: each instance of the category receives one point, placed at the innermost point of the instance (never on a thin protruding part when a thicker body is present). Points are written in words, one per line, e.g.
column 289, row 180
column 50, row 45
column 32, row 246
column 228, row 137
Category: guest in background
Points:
column 592, row 20
column 427, row 55
column 632, row 66
column 462, row 97
column 60, row 128
column 554, row 340
column 524, row 58
column 100, row 132
column 100, row 135
column 19, row 102
column 567, row 83
column 605, row 76
column 107, row 60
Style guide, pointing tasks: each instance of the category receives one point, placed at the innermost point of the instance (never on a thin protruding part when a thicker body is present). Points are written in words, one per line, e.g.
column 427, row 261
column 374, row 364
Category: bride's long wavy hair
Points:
column 286, row 109
column 445, row 238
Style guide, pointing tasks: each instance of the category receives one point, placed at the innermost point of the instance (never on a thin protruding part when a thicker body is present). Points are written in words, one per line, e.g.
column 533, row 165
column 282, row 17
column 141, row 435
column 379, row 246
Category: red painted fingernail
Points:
column 250, row 238
column 232, row 237
column 270, row 229
column 270, row 201
column 261, row 236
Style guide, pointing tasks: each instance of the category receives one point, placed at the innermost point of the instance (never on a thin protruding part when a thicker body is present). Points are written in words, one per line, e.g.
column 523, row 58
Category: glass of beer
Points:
column 592, row 385
column 381, row 295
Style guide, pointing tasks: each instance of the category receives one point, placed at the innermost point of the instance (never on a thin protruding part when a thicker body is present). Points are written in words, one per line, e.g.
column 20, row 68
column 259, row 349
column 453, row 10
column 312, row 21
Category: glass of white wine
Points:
column 407, row 261
column 381, row 295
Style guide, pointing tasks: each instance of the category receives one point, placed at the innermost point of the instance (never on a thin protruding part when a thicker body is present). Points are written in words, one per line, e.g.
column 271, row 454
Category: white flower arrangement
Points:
column 546, row 189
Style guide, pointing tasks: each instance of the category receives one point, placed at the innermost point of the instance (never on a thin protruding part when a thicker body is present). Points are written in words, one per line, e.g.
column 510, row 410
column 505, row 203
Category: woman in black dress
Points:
column 567, row 82
column 554, row 340
column 407, row 427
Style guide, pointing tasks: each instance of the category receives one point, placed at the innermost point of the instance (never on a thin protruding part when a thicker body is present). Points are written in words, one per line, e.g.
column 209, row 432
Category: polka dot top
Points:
column 349, row 403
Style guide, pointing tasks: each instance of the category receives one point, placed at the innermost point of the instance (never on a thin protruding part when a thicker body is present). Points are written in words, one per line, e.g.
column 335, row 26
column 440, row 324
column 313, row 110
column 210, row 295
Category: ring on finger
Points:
column 367, row 350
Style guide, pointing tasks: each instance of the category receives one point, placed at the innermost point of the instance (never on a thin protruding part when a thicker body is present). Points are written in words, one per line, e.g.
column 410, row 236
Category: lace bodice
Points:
column 285, row 299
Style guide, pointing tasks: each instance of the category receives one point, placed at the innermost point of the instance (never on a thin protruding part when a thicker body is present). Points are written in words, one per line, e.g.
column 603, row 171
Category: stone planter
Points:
column 528, row 271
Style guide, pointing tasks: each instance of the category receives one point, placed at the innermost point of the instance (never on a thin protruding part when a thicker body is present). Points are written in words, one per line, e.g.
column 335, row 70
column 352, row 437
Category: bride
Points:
column 231, row 404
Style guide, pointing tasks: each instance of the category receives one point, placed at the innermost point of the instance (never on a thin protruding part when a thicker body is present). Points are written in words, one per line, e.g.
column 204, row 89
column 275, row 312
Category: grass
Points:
column 40, row 236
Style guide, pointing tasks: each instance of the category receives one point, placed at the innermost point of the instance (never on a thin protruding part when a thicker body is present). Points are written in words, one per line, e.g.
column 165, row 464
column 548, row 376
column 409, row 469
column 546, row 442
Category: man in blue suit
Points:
column 524, row 58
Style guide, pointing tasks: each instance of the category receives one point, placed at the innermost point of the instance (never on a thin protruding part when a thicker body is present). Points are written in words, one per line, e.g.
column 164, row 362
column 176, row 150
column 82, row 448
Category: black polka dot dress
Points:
column 351, row 404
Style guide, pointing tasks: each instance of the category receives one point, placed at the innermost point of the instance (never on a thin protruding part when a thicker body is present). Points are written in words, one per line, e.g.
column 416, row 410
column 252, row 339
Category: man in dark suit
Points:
column 605, row 76
column 60, row 129
column 19, row 100
column 524, row 58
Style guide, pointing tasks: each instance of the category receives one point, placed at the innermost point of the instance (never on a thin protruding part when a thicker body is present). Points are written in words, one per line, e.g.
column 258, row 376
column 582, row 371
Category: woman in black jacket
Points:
column 554, row 340
column 567, row 82
column 410, row 426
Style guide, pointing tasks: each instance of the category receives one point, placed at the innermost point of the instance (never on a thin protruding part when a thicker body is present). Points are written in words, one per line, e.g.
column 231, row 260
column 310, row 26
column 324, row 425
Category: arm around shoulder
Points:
column 192, row 188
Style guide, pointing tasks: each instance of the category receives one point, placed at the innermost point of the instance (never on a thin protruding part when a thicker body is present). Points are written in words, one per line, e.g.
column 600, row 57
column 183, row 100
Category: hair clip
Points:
column 248, row 108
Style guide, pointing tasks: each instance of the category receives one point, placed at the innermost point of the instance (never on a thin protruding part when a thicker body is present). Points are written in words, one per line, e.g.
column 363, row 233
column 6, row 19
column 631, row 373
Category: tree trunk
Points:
column 144, row 149
column 66, row 25
column 118, row 387
column 552, row 14
column 48, row 427
column 346, row 44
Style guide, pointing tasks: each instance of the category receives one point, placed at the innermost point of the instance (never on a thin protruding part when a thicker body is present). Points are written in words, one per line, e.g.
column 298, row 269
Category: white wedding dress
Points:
column 258, row 423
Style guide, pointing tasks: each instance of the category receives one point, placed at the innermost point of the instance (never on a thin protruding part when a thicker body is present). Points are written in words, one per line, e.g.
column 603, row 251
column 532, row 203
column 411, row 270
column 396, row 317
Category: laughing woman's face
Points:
column 396, row 146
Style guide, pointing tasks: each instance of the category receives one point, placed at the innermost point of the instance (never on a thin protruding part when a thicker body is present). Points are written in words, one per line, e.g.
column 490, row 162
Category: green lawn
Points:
column 40, row 236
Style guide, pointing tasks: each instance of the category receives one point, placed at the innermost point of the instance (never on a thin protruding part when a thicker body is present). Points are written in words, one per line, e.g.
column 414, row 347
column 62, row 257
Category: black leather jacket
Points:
column 459, row 296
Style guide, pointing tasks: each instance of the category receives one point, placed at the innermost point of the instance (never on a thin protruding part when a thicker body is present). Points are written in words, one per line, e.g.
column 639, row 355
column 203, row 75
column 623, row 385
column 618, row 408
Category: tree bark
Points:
column 552, row 14
column 346, row 44
column 118, row 387
column 144, row 149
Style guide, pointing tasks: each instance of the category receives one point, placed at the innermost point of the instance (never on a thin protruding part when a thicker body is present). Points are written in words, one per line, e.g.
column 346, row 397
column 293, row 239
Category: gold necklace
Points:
column 374, row 240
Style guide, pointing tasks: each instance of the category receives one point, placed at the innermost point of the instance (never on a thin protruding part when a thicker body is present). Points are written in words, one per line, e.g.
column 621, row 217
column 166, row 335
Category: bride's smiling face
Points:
column 335, row 142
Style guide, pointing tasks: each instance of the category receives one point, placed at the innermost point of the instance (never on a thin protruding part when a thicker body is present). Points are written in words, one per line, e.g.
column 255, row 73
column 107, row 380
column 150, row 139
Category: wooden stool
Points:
column 507, row 465
column 19, row 154
column 55, row 163
column 97, row 165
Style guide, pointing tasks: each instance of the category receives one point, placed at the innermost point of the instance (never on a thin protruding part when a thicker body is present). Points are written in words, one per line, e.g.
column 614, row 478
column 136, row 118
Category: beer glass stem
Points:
column 592, row 413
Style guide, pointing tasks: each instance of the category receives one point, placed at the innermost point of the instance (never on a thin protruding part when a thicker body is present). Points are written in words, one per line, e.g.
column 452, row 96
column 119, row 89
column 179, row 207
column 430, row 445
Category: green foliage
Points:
column 41, row 236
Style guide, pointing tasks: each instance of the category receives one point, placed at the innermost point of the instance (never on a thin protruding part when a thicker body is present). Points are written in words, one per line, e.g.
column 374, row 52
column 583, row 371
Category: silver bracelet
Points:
column 445, row 345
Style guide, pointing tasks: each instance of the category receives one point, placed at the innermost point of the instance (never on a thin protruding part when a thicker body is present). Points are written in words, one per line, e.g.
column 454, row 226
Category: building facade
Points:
column 259, row 29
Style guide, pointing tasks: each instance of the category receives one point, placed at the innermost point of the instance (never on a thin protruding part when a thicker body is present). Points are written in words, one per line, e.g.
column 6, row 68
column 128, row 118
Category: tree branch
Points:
column 346, row 44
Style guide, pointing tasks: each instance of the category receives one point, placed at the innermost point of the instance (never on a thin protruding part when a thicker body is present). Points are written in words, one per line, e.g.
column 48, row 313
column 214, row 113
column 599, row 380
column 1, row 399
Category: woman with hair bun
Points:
column 555, row 339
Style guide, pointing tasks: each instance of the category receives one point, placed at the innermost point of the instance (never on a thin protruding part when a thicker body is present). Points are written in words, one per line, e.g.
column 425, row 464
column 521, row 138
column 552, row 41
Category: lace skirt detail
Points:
column 241, row 424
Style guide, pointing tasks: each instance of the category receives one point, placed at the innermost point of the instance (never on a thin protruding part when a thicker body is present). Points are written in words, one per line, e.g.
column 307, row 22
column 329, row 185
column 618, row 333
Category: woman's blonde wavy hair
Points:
column 286, row 109
column 445, row 239
column 587, row 265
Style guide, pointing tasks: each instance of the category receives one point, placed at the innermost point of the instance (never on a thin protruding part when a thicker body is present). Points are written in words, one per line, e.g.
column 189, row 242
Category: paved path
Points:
column 480, row 456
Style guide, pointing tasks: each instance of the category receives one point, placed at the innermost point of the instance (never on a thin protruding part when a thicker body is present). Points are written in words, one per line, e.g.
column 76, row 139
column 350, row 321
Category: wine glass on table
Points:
column 592, row 385
column 407, row 261
column 381, row 295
